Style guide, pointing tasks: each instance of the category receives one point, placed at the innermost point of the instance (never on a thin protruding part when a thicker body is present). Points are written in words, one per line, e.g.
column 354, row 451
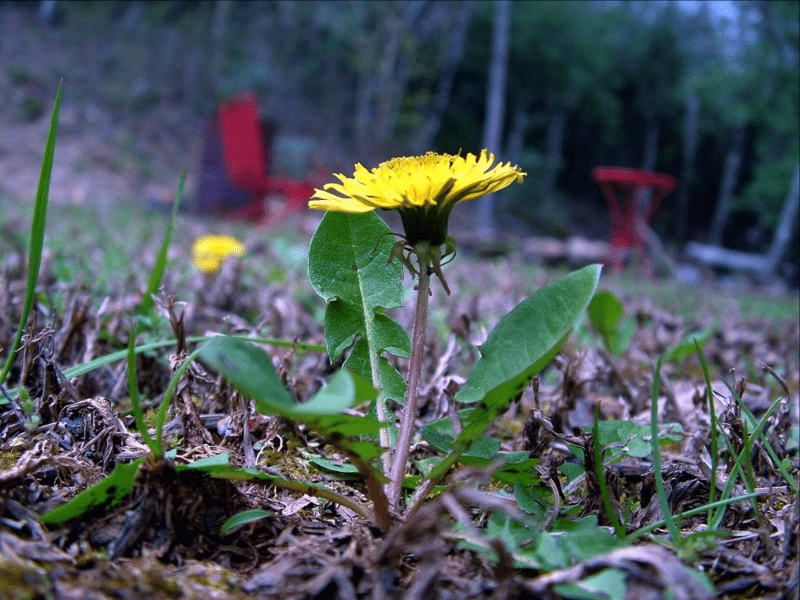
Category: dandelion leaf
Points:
column 347, row 265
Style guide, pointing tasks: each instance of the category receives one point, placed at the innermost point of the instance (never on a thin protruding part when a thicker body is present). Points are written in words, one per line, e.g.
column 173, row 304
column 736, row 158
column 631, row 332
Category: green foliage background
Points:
column 366, row 77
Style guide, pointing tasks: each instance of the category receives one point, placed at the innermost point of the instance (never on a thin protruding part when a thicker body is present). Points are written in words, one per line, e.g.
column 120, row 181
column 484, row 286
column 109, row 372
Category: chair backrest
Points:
column 216, row 193
column 246, row 157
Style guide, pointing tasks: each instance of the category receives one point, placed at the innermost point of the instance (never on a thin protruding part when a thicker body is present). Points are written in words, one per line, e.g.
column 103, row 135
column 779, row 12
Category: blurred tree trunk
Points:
column 730, row 176
column 783, row 234
column 48, row 11
column 514, row 145
column 495, row 103
column 363, row 114
column 391, row 100
column 369, row 80
column 395, row 69
column 388, row 56
column 516, row 136
column 762, row 266
column 651, row 145
column 649, row 160
column 388, row 44
column 219, row 27
column 687, row 168
column 455, row 52
column 555, row 145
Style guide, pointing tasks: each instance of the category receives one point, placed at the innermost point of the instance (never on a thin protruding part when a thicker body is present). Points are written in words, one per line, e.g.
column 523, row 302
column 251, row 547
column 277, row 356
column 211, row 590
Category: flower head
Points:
column 423, row 189
column 209, row 251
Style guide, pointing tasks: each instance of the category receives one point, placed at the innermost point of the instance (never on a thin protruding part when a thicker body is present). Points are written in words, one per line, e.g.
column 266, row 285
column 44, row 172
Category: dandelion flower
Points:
column 423, row 189
column 209, row 251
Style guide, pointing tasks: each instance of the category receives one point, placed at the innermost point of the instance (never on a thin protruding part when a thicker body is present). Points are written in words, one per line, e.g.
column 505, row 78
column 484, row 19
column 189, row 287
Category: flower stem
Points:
column 400, row 457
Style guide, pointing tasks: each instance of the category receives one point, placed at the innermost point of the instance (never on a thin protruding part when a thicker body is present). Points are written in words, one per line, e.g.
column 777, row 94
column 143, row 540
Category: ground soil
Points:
column 163, row 540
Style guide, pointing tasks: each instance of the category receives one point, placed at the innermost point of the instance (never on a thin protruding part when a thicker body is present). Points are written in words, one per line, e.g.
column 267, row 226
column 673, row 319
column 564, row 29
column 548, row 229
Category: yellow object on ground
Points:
column 209, row 251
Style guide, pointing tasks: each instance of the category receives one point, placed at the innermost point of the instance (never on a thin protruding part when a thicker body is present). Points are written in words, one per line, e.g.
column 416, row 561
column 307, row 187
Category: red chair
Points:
column 246, row 157
column 630, row 211
column 247, row 160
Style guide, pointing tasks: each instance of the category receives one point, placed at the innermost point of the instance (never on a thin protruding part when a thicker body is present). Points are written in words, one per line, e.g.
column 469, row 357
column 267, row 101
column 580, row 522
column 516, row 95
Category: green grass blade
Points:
column 619, row 530
column 37, row 232
column 690, row 513
column 158, row 449
column 161, row 259
column 744, row 457
column 153, row 283
column 712, row 486
column 133, row 391
column 674, row 532
column 791, row 481
column 735, row 471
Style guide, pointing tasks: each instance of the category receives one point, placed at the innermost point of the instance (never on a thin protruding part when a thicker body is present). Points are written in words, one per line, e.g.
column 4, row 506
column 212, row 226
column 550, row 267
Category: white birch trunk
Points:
column 783, row 235
column 687, row 168
column 495, row 103
column 555, row 144
column 730, row 176
column 455, row 52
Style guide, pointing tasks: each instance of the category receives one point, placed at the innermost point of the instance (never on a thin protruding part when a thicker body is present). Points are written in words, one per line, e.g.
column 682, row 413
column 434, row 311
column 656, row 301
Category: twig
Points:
column 777, row 377
column 247, row 443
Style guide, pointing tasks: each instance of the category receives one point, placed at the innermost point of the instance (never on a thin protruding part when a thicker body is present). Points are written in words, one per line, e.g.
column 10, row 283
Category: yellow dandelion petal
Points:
column 324, row 200
column 423, row 189
column 209, row 251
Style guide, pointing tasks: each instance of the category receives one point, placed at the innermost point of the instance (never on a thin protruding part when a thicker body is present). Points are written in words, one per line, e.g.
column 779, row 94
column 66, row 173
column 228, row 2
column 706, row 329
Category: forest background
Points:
column 706, row 91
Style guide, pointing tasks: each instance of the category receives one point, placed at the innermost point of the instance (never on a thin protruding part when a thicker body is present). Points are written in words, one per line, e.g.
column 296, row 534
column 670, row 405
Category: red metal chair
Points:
column 247, row 160
column 623, row 190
